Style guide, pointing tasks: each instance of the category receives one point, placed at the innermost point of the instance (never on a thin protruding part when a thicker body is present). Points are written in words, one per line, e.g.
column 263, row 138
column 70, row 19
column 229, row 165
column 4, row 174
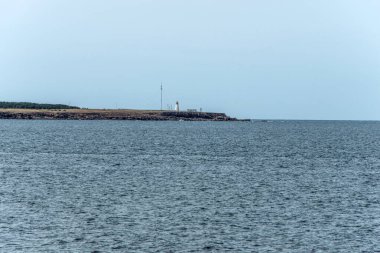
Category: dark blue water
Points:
column 123, row 186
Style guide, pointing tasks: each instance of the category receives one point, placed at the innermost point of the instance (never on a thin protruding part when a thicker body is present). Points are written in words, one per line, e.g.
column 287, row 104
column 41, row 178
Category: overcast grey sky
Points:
column 291, row 59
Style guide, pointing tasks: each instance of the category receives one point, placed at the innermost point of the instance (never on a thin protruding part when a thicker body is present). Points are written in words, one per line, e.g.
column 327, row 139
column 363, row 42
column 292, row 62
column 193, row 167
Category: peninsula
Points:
column 34, row 111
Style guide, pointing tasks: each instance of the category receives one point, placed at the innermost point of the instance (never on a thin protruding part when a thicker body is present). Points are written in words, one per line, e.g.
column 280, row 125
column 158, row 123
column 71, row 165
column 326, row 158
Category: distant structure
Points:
column 177, row 106
column 161, row 96
column 191, row 110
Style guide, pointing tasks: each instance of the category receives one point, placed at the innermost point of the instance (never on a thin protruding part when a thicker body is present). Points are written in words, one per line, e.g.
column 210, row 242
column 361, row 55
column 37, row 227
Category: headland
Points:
column 109, row 114
column 62, row 112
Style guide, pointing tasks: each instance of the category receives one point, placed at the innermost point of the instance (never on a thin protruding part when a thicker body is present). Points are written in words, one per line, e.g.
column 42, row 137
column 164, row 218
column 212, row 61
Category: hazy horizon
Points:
column 249, row 59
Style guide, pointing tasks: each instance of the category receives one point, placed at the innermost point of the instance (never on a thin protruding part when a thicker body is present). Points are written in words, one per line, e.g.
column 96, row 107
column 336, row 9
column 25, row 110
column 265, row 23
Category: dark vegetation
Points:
column 27, row 105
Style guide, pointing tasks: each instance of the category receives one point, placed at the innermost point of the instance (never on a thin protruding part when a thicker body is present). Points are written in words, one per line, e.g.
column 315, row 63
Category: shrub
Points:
column 27, row 105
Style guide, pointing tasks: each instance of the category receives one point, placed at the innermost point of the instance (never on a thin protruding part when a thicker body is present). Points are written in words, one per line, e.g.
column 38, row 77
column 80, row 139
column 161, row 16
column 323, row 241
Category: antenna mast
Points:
column 161, row 96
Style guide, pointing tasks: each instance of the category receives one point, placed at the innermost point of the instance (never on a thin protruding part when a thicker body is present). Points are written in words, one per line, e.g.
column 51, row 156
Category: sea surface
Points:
column 130, row 186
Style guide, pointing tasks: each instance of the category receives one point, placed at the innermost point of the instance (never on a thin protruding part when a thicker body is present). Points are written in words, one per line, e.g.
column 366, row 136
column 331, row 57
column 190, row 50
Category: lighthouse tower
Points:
column 177, row 106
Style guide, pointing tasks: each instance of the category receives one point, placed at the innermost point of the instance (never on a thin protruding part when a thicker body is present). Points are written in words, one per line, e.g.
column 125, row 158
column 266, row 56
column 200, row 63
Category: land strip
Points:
column 108, row 114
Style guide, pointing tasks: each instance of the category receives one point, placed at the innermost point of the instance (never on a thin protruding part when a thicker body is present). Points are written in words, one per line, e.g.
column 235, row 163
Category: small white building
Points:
column 177, row 106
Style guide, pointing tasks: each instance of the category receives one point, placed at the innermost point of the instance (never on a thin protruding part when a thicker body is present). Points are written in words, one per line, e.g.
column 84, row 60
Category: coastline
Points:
column 111, row 114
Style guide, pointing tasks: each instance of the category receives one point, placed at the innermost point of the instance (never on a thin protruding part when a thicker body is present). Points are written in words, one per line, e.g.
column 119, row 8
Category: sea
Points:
column 146, row 186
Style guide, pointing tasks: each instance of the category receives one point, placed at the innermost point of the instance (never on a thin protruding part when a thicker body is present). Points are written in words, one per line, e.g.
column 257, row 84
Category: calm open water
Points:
column 125, row 186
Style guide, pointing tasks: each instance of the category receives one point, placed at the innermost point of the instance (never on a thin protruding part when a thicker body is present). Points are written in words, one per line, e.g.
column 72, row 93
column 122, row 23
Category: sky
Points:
column 267, row 59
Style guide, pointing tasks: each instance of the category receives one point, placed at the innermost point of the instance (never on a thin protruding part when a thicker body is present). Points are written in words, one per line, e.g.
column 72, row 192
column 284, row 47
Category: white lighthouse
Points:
column 177, row 106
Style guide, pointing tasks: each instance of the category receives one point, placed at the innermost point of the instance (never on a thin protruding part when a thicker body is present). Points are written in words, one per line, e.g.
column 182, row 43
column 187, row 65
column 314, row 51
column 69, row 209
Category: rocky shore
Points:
column 96, row 114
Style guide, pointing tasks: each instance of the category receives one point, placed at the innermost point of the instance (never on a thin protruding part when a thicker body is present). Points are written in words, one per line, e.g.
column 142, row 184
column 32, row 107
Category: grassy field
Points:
column 116, row 111
column 79, row 113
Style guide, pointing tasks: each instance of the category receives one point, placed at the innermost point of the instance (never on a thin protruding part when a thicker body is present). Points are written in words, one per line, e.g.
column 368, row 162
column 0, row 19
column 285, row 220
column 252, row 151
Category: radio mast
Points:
column 161, row 96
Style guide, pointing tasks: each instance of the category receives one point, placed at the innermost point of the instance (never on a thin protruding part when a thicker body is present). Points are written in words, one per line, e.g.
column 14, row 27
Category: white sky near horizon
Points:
column 264, row 59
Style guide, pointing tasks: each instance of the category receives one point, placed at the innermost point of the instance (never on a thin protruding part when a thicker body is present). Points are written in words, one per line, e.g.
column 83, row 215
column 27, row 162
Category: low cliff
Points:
column 197, row 116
